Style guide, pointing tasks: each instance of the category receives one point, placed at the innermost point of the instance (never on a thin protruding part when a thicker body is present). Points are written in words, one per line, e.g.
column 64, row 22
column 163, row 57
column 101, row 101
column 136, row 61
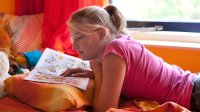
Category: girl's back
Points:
column 148, row 76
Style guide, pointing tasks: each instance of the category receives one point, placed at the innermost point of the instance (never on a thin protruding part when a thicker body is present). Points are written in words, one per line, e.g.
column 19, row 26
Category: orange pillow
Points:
column 48, row 97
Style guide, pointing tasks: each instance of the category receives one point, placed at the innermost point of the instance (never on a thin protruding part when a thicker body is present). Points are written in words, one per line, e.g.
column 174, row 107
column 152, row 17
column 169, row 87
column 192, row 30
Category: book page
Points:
column 53, row 63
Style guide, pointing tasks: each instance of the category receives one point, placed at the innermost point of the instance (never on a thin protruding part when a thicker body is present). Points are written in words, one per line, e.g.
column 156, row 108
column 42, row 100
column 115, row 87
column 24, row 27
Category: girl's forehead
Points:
column 73, row 31
column 74, row 34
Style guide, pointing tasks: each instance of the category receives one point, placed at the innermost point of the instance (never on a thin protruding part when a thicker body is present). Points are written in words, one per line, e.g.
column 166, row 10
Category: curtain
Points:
column 27, row 7
column 83, row 3
column 55, row 33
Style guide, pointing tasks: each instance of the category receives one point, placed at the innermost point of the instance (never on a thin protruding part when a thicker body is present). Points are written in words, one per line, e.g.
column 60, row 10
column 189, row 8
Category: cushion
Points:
column 48, row 97
column 25, row 31
column 21, row 60
column 32, row 57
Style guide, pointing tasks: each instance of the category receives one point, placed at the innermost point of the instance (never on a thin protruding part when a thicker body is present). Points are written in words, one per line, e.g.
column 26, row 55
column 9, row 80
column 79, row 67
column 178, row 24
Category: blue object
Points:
column 32, row 57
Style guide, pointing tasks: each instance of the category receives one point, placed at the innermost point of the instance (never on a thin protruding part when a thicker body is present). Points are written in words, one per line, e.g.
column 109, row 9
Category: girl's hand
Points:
column 78, row 72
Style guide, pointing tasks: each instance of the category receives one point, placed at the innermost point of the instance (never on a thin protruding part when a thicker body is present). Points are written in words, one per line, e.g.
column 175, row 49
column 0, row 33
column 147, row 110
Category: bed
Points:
column 8, row 104
column 24, row 96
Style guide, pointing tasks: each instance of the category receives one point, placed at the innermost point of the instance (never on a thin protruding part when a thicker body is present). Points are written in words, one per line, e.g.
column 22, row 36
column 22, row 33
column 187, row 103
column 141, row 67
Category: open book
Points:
column 53, row 63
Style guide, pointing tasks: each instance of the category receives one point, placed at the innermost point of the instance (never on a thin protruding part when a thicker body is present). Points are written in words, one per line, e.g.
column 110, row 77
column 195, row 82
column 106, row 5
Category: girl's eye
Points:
column 79, row 37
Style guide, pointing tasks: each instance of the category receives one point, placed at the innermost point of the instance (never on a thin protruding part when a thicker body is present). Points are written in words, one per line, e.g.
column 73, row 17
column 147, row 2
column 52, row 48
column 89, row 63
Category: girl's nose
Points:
column 74, row 46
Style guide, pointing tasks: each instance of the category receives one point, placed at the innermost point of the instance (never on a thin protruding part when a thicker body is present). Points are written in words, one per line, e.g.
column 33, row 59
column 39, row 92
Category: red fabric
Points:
column 83, row 3
column 54, row 30
column 55, row 34
column 9, row 104
column 27, row 7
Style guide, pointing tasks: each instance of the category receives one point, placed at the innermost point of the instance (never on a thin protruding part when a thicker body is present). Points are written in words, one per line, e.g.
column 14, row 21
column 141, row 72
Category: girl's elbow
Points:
column 98, row 108
column 102, row 108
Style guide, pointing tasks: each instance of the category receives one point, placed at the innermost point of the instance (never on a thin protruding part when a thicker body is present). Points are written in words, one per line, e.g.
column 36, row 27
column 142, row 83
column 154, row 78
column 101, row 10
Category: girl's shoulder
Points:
column 120, row 46
column 124, row 41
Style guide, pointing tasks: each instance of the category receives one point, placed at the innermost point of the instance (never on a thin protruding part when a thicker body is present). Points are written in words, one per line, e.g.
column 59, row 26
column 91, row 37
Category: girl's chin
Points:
column 85, row 57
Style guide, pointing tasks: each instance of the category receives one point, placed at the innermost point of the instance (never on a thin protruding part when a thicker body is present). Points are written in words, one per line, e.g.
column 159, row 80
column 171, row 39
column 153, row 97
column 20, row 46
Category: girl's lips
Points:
column 80, row 52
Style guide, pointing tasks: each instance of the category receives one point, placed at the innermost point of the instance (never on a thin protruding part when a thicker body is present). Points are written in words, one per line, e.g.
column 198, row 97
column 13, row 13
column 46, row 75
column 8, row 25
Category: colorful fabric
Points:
column 25, row 31
column 32, row 57
column 148, row 76
column 9, row 104
column 48, row 97
column 24, row 7
column 55, row 34
column 34, row 33
column 148, row 106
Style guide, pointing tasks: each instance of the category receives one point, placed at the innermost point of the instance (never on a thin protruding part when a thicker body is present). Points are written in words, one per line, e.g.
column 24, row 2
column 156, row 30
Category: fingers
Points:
column 78, row 72
column 66, row 73
column 91, row 76
column 71, row 71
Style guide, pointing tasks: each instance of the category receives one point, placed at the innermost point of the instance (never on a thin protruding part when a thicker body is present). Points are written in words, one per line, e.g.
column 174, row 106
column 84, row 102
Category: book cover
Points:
column 53, row 63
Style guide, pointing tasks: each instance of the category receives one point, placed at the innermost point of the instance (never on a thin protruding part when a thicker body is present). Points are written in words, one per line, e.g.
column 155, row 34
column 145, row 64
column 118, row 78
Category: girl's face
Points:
column 88, row 46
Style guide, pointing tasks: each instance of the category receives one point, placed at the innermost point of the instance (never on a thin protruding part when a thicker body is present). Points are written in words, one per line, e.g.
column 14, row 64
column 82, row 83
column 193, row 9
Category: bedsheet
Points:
column 8, row 104
column 148, row 106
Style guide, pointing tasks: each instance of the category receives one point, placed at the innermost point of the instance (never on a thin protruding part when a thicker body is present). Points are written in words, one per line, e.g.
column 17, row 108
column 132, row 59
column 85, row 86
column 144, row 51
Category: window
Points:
column 166, row 15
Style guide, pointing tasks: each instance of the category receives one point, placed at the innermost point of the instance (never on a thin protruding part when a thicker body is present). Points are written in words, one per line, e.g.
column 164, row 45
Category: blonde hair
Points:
column 89, row 19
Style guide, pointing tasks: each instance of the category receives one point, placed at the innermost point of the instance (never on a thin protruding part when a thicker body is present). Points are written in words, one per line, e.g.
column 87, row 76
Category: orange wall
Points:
column 186, row 58
column 7, row 6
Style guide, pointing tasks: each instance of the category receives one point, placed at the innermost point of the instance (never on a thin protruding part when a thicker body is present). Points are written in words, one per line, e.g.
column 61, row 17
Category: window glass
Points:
column 160, row 10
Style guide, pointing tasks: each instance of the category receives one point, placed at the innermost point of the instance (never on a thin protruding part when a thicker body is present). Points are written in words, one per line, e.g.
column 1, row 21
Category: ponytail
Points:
column 117, row 18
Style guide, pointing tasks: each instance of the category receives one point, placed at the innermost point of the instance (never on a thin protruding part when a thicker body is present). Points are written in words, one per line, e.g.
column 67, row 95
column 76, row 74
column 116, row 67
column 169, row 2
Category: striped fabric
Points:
column 25, row 31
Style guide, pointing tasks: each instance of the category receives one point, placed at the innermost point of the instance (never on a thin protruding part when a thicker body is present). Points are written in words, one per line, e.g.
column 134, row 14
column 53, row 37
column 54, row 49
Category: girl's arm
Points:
column 108, row 83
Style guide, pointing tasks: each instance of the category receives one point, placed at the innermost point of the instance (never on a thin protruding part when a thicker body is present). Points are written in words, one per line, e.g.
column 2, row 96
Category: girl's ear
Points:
column 102, row 32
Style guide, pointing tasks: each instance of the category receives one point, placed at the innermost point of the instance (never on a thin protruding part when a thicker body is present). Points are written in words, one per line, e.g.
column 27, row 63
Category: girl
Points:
column 121, row 65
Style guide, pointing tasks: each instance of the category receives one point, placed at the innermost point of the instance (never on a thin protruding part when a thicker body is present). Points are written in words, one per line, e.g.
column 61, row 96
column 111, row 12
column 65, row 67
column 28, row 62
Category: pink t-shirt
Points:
column 148, row 76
